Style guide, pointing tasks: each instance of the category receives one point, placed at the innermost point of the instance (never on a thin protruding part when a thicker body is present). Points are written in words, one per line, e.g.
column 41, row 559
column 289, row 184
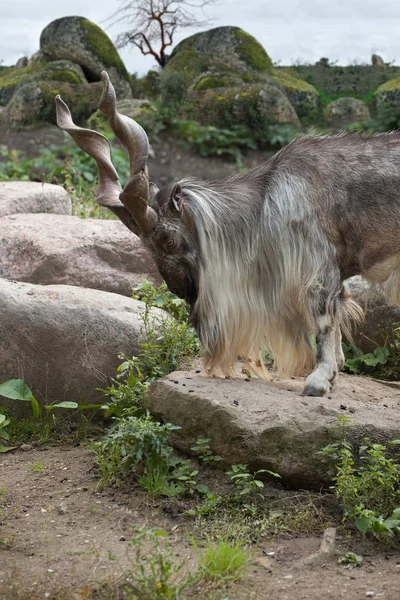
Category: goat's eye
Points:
column 170, row 243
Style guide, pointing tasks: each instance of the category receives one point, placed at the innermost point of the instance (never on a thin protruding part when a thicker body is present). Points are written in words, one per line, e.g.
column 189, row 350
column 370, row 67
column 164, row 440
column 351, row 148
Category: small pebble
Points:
column 62, row 509
column 25, row 447
column 122, row 538
column 369, row 594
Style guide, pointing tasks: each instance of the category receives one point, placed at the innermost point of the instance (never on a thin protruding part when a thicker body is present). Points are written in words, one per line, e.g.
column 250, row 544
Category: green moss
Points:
column 252, row 52
column 389, row 86
column 66, row 76
column 34, row 103
column 292, row 83
column 100, row 44
column 213, row 81
column 188, row 62
column 13, row 80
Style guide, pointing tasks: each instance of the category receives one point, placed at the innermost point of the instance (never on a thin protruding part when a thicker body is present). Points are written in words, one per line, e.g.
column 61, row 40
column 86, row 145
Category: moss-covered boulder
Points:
column 59, row 70
column 223, row 49
column 387, row 97
column 79, row 40
column 342, row 111
column 33, row 103
column 228, row 57
column 253, row 105
column 303, row 96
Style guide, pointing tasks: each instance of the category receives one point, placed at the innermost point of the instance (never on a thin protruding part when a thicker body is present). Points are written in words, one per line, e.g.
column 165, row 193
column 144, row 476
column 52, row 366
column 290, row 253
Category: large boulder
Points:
column 343, row 111
column 59, row 70
column 55, row 249
column 270, row 425
column 253, row 105
column 33, row 103
column 33, row 197
column 303, row 96
column 228, row 57
column 381, row 319
column 79, row 40
column 65, row 341
column 223, row 48
column 387, row 97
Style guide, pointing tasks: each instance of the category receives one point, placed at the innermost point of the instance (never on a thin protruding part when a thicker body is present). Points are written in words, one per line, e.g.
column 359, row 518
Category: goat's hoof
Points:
column 311, row 390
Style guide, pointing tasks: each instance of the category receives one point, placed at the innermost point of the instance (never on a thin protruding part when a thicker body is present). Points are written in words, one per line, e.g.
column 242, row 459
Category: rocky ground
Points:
column 62, row 537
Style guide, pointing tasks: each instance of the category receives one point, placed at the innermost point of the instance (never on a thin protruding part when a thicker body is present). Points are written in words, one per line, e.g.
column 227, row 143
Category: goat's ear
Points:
column 175, row 200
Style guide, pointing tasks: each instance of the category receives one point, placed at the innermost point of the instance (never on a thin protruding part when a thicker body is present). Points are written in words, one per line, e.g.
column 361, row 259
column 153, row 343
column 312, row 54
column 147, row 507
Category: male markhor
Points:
column 261, row 258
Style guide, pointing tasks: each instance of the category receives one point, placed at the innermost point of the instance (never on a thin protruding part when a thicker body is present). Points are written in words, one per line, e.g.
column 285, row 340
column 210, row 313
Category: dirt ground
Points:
column 61, row 537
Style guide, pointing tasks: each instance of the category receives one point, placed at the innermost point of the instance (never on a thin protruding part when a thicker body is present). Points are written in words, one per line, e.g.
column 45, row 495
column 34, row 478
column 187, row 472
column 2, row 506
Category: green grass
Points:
column 37, row 467
column 223, row 561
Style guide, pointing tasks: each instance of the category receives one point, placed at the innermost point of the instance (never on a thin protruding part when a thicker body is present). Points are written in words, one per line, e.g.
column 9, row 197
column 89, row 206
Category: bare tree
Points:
column 155, row 22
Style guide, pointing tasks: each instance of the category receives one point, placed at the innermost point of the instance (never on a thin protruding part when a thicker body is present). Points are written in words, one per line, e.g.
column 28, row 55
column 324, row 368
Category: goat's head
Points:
column 158, row 216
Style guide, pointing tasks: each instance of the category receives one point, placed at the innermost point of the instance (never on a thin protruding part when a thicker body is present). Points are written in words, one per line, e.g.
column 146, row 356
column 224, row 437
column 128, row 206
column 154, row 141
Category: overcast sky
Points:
column 290, row 30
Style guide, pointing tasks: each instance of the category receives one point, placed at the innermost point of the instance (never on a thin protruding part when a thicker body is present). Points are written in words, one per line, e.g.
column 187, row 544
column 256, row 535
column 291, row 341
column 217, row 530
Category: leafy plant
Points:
column 155, row 574
column 16, row 389
column 4, row 435
column 366, row 483
column 206, row 454
column 383, row 362
column 246, row 483
column 350, row 560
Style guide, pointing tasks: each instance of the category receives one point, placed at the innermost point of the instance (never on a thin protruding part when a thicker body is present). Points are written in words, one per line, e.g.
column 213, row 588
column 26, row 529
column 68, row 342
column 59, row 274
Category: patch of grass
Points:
column 37, row 467
column 223, row 562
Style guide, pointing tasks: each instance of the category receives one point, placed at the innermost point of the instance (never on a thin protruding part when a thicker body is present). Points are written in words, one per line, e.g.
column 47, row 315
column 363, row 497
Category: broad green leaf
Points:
column 6, row 448
column 4, row 435
column 2, row 418
column 362, row 524
column 16, row 389
column 64, row 404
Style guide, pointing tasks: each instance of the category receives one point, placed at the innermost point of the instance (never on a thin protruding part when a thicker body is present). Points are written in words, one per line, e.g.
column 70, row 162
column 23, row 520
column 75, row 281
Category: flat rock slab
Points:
column 59, row 249
column 33, row 197
column 65, row 341
column 270, row 425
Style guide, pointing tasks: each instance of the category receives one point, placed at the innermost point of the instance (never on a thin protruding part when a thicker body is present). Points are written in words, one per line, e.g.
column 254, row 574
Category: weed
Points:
column 155, row 574
column 205, row 452
column 246, row 483
column 4, row 435
column 132, row 444
column 383, row 362
column 223, row 561
column 350, row 560
column 169, row 343
column 37, row 467
column 366, row 483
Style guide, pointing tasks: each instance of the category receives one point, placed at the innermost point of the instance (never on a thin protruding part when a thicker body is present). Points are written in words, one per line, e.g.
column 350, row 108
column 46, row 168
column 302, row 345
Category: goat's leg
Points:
column 320, row 381
column 340, row 358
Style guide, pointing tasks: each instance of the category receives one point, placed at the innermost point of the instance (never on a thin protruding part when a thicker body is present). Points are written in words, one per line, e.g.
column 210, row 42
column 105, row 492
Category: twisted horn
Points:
column 98, row 147
column 136, row 192
column 133, row 209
